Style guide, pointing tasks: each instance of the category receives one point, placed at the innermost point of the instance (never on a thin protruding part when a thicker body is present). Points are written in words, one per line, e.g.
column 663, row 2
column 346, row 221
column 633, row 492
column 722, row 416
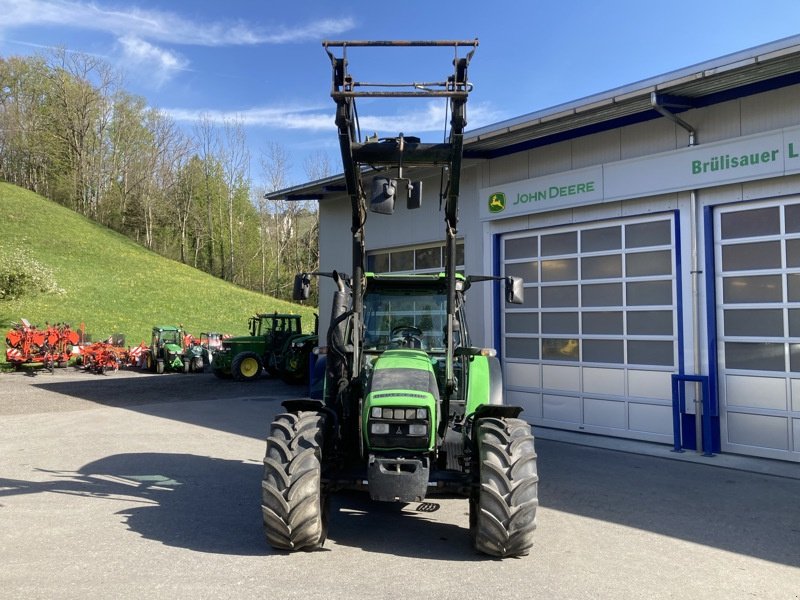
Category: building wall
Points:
column 766, row 112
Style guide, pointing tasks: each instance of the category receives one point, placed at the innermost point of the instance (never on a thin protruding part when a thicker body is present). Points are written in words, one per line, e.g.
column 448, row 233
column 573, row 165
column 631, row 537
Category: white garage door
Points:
column 757, row 262
column 594, row 345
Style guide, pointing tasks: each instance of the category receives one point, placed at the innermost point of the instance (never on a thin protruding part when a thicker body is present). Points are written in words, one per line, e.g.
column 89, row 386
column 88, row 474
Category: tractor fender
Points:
column 485, row 383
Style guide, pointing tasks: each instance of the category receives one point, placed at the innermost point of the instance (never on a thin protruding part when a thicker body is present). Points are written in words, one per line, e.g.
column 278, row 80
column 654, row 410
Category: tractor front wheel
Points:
column 295, row 368
column 247, row 366
column 160, row 368
column 503, row 505
column 293, row 505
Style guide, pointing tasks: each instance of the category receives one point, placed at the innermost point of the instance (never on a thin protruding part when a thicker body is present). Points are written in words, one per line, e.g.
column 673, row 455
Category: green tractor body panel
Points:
column 479, row 388
column 401, row 407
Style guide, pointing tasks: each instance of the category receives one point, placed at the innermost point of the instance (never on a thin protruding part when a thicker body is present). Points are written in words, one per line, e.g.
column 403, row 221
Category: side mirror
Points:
column 515, row 292
column 382, row 196
column 302, row 287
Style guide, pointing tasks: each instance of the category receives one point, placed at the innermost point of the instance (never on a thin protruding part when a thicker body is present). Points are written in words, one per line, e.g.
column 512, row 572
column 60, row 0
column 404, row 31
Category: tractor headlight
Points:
column 399, row 427
column 417, row 429
column 379, row 428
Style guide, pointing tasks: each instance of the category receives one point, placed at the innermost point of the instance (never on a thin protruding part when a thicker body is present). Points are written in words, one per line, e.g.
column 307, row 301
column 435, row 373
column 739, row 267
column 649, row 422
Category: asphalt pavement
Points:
column 133, row 485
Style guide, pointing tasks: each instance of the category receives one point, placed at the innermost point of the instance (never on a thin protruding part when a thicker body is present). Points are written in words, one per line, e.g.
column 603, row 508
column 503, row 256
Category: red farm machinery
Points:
column 51, row 346
column 100, row 357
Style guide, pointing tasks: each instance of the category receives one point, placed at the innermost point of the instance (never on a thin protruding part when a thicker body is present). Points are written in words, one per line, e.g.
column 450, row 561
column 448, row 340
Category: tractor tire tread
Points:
column 293, row 506
column 504, row 503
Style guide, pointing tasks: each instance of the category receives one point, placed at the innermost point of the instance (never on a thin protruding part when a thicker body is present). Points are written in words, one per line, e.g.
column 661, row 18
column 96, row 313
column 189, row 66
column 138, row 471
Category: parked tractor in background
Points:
column 192, row 355
column 410, row 407
column 273, row 339
column 169, row 351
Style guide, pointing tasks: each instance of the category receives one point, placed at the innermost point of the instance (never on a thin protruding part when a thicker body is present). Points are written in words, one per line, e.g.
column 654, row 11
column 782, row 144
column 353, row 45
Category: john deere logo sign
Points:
column 497, row 202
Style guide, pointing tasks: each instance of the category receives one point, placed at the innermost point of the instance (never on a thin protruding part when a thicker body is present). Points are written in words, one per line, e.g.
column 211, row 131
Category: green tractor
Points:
column 276, row 343
column 168, row 352
column 410, row 407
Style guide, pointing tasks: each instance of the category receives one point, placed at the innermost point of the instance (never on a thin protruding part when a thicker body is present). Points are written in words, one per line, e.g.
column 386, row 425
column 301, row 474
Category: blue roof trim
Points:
column 563, row 136
column 641, row 117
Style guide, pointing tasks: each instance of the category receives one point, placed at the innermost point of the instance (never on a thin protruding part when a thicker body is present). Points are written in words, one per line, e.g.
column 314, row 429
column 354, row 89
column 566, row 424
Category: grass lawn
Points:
column 113, row 285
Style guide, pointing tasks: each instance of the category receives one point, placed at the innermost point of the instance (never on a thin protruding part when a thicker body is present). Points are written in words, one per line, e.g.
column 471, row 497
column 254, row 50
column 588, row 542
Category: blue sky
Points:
column 262, row 63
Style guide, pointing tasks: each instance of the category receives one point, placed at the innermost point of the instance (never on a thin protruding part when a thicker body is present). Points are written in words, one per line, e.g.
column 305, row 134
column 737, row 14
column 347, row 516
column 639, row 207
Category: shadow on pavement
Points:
column 402, row 530
column 196, row 502
column 213, row 505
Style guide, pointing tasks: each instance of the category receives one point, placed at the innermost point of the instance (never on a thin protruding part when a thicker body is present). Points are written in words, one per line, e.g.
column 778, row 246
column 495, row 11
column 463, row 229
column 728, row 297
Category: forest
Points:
column 71, row 132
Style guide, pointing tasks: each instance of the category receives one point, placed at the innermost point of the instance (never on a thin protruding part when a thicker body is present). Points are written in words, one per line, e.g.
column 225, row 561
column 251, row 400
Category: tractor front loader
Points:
column 410, row 407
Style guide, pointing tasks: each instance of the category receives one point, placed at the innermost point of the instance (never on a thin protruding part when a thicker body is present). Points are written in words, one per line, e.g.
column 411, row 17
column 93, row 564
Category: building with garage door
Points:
column 657, row 228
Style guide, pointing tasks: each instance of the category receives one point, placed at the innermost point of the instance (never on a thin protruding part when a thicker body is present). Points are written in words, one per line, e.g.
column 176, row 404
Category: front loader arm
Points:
column 399, row 152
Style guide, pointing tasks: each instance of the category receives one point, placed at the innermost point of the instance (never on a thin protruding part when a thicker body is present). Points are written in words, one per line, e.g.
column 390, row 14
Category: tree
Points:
column 82, row 86
column 277, row 218
column 235, row 159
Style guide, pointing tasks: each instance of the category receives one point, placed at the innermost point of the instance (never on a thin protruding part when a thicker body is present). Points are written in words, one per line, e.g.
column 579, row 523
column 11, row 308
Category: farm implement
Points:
column 100, row 357
column 52, row 346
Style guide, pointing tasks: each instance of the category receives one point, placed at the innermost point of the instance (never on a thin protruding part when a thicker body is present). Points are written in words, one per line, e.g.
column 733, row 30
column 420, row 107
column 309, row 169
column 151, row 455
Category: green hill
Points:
column 112, row 284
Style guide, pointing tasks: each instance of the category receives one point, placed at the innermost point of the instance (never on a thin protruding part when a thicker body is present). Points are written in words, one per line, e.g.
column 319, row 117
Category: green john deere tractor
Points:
column 276, row 343
column 410, row 407
column 167, row 351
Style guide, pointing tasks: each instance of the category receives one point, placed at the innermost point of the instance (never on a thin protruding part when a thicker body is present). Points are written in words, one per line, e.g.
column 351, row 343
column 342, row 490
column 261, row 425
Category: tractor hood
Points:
column 402, row 402
column 239, row 339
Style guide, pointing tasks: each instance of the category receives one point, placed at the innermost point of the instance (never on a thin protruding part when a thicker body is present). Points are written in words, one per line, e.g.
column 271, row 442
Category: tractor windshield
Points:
column 405, row 317
column 170, row 337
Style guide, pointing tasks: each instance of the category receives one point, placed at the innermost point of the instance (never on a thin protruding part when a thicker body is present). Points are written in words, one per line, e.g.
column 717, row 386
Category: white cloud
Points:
column 143, row 57
column 161, row 26
column 430, row 119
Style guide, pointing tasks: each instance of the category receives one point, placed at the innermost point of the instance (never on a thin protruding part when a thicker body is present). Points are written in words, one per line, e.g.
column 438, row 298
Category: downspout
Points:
column 658, row 104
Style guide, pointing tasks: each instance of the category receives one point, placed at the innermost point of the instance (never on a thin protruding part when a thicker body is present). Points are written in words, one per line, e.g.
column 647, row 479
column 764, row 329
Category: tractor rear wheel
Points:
column 503, row 505
column 293, row 505
column 247, row 366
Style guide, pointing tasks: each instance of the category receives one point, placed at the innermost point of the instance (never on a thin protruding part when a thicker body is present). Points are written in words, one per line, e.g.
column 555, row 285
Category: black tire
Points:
column 246, row 366
column 186, row 366
column 160, row 366
column 503, row 504
column 293, row 504
column 293, row 371
column 197, row 364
